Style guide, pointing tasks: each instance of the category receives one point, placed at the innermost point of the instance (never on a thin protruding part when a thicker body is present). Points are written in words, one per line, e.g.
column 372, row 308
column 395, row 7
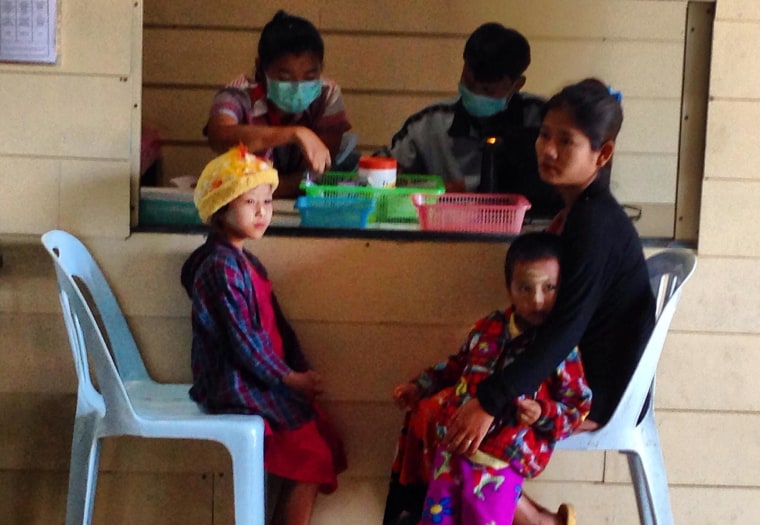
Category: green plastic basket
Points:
column 392, row 204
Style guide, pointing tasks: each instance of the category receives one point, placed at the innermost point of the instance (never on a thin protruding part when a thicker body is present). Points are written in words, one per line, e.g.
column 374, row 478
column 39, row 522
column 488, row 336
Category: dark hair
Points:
column 530, row 247
column 287, row 34
column 593, row 109
column 216, row 221
column 493, row 52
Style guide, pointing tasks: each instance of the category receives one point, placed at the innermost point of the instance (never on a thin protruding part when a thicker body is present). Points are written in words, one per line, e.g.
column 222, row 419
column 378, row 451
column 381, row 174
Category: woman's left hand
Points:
column 467, row 428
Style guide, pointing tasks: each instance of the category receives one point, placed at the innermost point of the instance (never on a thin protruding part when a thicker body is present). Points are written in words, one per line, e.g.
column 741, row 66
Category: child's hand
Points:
column 406, row 396
column 528, row 411
column 315, row 152
column 308, row 384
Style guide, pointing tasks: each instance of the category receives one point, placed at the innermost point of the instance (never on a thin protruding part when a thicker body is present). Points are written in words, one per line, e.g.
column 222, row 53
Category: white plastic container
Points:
column 378, row 172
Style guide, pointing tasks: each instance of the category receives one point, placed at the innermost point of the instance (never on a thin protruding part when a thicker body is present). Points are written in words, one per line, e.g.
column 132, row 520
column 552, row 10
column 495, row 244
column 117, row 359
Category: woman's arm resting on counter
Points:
column 224, row 132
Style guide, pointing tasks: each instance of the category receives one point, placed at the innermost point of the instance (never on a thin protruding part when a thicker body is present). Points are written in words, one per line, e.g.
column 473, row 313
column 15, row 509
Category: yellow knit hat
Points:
column 227, row 177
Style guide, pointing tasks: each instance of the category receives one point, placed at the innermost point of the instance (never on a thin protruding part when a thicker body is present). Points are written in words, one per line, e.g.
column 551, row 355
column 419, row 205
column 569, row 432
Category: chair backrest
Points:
column 73, row 259
column 80, row 285
column 668, row 272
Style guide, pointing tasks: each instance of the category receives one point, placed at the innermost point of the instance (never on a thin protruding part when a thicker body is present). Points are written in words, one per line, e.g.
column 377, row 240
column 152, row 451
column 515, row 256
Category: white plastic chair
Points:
column 632, row 430
column 127, row 401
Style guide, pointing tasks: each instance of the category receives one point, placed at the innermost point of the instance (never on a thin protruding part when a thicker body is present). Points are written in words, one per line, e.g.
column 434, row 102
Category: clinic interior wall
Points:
column 370, row 313
column 69, row 129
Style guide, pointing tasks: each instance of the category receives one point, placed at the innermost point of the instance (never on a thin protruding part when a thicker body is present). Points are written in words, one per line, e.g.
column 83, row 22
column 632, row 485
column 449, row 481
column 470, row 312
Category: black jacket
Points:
column 604, row 306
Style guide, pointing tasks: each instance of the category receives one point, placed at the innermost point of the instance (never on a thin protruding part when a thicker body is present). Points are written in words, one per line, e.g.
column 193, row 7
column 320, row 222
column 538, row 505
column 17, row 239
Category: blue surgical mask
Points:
column 480, row 106
column 293, row 97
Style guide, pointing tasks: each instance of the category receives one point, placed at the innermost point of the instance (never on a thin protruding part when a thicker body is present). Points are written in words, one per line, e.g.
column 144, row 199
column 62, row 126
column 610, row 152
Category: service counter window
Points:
column 390, row 66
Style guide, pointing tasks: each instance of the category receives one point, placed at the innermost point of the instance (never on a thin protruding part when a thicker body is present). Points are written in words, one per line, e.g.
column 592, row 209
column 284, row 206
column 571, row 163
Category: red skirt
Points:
column 311, row 453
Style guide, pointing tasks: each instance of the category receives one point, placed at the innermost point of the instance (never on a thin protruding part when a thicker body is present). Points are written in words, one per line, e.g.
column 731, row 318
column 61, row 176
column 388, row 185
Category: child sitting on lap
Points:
column 484, row 486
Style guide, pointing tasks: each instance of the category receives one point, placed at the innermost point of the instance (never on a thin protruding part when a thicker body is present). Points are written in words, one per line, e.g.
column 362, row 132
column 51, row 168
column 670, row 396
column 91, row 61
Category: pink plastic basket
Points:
column 466, row 212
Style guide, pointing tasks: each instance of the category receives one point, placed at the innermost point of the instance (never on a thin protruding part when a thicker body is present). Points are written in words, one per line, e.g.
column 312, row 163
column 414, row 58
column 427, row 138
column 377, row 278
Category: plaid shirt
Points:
column 495, row 341
column 235, row 367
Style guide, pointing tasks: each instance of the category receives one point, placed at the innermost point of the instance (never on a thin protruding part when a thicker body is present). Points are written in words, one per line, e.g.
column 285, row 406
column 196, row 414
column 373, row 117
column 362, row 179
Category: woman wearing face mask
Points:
column 288, row 113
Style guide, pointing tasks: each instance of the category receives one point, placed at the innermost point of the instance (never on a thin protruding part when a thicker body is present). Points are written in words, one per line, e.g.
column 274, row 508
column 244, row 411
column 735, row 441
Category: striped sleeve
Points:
column 232, row 102
column 333, row 117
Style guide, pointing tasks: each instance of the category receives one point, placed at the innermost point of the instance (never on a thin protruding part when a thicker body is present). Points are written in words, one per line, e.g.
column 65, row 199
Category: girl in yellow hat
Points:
column 245, row 356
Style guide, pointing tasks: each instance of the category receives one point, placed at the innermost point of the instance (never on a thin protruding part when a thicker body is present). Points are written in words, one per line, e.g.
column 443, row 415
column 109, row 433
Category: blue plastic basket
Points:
column 334, row 212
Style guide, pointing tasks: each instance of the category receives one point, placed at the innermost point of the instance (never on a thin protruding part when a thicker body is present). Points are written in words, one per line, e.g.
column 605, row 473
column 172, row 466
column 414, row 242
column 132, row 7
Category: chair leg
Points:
column 639, row 480
column 248, row 479
column 649, row 477
column 83, row 472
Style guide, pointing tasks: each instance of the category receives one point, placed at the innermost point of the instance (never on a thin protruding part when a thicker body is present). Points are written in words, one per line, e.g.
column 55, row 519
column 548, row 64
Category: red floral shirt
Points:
column 565, row 397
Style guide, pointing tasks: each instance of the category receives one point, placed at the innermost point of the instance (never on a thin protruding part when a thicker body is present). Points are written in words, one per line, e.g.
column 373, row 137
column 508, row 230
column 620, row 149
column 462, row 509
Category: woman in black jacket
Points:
column 605, row 304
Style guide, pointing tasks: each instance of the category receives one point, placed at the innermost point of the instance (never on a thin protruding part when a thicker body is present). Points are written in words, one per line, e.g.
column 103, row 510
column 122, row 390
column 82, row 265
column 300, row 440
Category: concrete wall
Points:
column 370, row 312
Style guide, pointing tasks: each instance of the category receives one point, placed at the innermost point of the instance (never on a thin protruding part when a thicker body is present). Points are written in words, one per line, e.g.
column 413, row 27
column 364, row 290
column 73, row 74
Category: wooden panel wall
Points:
column 728, row 228
column 370, row 314
column 365, row 331
column 372, row 311
column 392, row 58
column 69, row 128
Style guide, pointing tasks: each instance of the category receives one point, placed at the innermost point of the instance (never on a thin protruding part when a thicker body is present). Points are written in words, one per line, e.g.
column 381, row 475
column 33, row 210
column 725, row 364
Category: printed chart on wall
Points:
column 28, row 31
